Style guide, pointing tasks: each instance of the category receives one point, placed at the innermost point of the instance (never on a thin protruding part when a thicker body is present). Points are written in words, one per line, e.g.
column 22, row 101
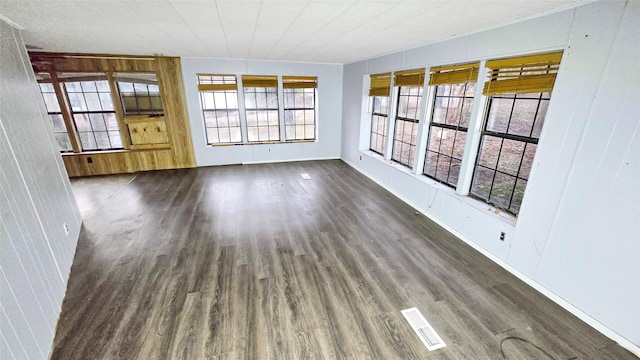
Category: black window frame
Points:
column 59, row 112
column 399, row 118
column 526, row 140
column 456, row 128
column 373, row 131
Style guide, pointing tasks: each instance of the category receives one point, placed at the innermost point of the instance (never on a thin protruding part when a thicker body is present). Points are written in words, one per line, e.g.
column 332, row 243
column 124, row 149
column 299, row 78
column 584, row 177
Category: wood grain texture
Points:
column 253, row 262
column 142, row 157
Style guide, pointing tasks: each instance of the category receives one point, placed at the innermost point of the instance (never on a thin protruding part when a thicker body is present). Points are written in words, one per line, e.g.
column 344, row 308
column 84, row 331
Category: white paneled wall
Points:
column 329, row 112
column 576, row 236
column 35, row 203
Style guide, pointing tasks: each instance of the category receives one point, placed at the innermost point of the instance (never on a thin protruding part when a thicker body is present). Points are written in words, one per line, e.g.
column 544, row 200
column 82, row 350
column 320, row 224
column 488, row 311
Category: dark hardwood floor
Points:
column 253, row 262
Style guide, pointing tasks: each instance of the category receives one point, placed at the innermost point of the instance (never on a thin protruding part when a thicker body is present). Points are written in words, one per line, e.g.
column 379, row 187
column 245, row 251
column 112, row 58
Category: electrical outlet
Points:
column 66, row 228
column 89, row 160
column 502, row 235
column 269, row 149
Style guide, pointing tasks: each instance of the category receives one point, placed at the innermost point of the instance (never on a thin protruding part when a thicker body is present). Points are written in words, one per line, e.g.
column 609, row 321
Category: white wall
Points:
column 575, row 238
column 329, row 114
column 35, row 202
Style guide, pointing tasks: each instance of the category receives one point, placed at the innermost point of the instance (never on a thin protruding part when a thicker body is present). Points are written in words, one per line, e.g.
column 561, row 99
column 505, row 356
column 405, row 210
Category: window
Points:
column 379, row 123
column 299, row 107
column 379, row 90
column 55, row 115
column 139, row 93
column 519, row 90
column 219, row 99
column 92, row 111
column 261, row 105
column 455, row 90
column 410, row 85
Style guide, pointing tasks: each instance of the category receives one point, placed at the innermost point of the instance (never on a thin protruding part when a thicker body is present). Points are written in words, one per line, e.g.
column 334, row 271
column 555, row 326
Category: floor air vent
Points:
column 423, row 329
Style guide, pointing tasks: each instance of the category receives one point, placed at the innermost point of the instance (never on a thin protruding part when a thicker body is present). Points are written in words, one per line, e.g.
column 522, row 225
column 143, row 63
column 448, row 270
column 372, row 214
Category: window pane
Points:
column 82, row 122
column 499, row 115
column 524, row 111
column 510, row 156
column 482, row 180
column 518, row 195
column 87, row 141
column 51, row 102
column 58, row 123
column 64, row 144
column 489, row 151
column 97, row 122
column 502, row 189
column 527, row 161
column 542, row 112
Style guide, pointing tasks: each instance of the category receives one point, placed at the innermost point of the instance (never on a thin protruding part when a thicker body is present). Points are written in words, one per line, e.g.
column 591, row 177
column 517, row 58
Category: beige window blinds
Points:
column 259, row 81
column 454, row 74
column 525, row 74
column 299, row 82
column 409, row 78
column 380, row 84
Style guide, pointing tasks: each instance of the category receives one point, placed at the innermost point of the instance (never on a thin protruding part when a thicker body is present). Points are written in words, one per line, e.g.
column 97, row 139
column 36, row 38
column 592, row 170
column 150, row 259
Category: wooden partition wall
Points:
column 150, row 143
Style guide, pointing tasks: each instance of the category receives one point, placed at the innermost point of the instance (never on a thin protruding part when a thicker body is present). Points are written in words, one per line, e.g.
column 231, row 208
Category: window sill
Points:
column 481, row 206
column 119, row 151
column 264, row 143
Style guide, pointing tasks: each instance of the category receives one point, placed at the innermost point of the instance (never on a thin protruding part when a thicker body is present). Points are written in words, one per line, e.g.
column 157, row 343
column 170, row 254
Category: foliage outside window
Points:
column 519, row 91
column 448, row 131
column 406, row 125
column 509, row 141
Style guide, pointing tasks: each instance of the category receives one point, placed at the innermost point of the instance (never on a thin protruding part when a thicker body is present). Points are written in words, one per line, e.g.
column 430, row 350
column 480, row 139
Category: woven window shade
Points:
column 299, row 82
column 409, row 78
column 217, row 82
column 454, row 74
column 526, row 74
column 259, row 81
column 380, row 84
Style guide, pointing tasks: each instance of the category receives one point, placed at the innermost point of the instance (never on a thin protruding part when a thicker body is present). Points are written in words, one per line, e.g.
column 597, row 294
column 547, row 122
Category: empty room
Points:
column 320, row 179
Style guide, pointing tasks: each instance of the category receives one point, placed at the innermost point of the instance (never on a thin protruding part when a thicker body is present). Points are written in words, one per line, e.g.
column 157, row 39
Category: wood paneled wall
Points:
column 178, row 154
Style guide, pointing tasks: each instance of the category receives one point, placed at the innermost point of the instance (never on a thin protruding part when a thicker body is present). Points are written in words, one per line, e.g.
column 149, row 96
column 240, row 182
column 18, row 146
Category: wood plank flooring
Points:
column 253, row 262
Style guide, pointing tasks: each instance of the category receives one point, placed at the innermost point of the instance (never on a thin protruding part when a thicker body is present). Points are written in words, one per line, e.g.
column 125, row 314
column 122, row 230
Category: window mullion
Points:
column 242, row 110
column 471, row 148
column 65, row 109
column 281, row 120
column 426, row 108
column 117, row 106
column 391, row 120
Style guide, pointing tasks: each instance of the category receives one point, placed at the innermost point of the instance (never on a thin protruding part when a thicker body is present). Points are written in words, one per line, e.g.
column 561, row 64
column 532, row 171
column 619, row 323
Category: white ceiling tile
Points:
column 316, row 30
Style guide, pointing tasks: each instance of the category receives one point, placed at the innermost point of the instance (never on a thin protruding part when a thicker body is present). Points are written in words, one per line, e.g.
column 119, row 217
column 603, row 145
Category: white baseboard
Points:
column 290, row 160
column 622, row 341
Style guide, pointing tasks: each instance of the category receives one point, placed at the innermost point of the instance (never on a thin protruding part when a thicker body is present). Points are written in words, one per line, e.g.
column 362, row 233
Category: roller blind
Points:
column 525, row 74
column 380, row 84
column 409, row 78
column 454, row 74
column 259, row 81
column 217, row 82
column 299, row 82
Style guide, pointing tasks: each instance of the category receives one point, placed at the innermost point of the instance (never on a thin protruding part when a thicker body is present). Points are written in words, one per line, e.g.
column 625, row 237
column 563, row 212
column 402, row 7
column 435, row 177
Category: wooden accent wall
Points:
column 178, row 153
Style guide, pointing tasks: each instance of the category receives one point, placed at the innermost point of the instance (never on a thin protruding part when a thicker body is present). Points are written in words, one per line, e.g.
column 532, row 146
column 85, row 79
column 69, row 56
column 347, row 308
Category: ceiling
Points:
column 333, row 31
